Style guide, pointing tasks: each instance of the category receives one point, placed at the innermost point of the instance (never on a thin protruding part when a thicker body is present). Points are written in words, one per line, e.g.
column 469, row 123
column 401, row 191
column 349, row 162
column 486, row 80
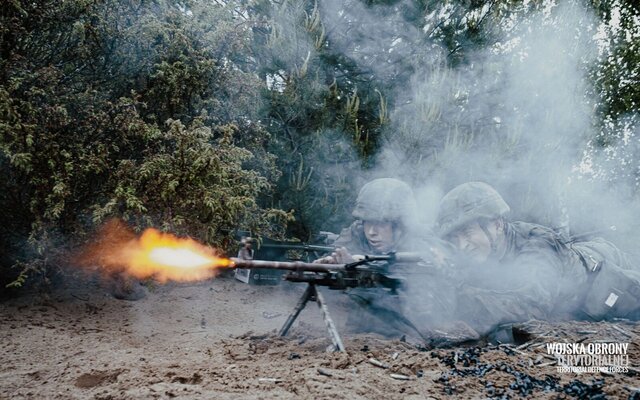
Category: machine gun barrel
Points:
column 316, row 267
column 286, row 265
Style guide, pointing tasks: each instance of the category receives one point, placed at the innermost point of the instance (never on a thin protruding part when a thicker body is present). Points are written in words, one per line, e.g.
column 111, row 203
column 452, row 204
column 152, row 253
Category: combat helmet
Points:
column 385, row 199
column 469, row 202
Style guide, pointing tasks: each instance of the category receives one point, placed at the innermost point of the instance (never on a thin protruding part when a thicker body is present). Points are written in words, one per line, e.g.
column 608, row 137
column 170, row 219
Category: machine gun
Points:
column 369, row 271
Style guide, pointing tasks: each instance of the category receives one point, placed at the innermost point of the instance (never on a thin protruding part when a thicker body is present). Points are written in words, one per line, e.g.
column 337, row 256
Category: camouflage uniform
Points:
column 382, row 310
column 384, row 200
column 541, row 274
column 528, row 282
column 612, row 283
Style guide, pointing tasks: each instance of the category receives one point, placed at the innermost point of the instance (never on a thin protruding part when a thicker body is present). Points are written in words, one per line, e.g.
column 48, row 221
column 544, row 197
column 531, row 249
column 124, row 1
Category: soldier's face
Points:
column 473, row 241
column 380, row 235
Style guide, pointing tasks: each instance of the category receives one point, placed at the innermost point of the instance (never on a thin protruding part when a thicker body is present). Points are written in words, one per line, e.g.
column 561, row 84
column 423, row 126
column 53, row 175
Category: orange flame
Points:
column 167, row 257
column 162, row 256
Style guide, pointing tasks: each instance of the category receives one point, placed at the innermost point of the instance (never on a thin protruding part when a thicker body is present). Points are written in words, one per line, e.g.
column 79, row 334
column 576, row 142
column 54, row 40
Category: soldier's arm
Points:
column 532, row 287
column 345, row 244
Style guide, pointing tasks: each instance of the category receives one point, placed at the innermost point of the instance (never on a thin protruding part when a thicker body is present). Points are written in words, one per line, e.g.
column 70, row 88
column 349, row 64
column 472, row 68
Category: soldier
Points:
column 382, row 212
column 518, row 271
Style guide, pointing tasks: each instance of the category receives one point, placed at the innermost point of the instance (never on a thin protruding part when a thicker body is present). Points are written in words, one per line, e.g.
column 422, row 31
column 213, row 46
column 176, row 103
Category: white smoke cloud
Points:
column 516, row 115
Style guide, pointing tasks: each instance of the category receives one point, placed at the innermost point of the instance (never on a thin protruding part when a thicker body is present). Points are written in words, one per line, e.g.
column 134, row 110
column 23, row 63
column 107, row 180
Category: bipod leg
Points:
column 306, row 296
column 331, row 327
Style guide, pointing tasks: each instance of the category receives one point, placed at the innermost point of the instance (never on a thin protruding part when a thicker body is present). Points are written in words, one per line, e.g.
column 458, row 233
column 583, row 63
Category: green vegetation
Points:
column 204, row 116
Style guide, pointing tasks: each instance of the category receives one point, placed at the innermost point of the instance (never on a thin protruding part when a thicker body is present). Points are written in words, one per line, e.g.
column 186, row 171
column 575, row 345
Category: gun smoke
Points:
column 518, row 115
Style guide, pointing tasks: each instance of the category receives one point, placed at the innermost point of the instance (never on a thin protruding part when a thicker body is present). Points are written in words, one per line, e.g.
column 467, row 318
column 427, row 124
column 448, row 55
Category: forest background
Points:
column 204, row 117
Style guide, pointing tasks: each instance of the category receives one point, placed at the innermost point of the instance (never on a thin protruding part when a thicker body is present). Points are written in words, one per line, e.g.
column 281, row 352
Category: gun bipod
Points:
column 312, row 293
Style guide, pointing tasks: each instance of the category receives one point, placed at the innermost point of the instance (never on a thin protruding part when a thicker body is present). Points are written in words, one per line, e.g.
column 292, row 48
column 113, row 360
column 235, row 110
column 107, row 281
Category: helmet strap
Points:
column 483, row 225
column 493, row 241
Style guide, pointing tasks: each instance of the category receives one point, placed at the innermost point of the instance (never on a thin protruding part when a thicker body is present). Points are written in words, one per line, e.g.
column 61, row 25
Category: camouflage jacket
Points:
column 374, row 307
column 542, row 275
column 422, row 301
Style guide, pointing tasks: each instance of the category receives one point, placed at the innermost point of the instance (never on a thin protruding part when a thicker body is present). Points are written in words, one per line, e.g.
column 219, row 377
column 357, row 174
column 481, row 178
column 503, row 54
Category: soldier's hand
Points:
column 325, row 260
column 340, row 256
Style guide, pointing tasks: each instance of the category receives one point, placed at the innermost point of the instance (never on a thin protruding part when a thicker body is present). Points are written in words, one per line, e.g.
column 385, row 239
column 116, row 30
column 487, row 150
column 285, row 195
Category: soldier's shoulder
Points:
column 600, row 249
column 351, row 237
column 529, row 239
column 530, row 234
column 529, row 229
column 347, row 234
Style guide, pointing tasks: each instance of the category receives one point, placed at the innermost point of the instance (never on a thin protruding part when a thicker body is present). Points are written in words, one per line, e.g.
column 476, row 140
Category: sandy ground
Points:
column 216, row 339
